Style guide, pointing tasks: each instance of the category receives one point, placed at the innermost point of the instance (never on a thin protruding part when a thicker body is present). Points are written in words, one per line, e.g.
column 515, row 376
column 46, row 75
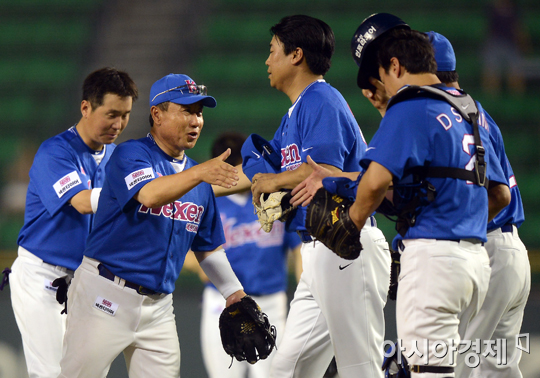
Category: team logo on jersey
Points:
column 181, row 211
column 138, row 176
column 106, row 306
column 290, row 157
column 66, row 183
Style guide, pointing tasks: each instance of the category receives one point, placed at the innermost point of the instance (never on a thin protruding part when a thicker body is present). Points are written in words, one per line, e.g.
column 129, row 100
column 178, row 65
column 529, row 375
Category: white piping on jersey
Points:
column 304, row 91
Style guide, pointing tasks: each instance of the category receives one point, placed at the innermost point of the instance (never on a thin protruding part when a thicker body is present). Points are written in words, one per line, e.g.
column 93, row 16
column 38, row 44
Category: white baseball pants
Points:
column 105, row 318
column 37, row 313
column 501, row 314
column 337, row 310
column 442, row 285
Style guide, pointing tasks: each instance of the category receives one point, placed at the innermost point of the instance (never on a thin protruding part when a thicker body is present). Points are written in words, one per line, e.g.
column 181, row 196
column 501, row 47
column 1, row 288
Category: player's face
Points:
column 180, row 127
column 278, row 65
column 106, row 122
column 389, row 83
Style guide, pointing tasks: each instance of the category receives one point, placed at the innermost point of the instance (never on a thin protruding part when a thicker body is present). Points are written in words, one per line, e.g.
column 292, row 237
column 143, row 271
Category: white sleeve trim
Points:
column 218, row 269
column 94, row 199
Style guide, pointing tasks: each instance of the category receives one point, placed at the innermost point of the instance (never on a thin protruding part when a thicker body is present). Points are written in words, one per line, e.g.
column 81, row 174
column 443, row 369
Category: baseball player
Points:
column 444, row 265
column 501, row 315
column 155, row 205
column 338, row 304
column 65, row 182
column 259, row 260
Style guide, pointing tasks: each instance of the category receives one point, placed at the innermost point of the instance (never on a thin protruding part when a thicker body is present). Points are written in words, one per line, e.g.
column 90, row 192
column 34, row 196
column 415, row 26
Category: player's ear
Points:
column 86, row 108
column 297, row 55
column 155, row 113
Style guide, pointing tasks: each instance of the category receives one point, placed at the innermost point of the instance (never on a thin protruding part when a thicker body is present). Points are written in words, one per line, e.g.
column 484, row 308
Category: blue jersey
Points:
column 63, row 166
column 512, row 213
column 422, row 132
column 258, row 258
column 320, row 124
column 148, row 246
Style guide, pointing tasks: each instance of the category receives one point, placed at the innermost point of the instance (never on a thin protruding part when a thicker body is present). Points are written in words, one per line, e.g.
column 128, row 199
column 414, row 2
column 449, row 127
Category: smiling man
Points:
column 65, row 182
column 155, row 206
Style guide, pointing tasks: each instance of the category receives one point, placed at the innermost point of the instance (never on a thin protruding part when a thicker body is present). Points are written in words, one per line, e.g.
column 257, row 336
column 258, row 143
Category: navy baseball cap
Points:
column 180, row 89
column 444, row 52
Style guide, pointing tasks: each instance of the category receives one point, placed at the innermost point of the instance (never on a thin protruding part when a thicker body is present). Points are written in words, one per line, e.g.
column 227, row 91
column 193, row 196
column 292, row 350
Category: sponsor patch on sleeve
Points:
column 106, row 306
column 66, row 183
column 138, row 176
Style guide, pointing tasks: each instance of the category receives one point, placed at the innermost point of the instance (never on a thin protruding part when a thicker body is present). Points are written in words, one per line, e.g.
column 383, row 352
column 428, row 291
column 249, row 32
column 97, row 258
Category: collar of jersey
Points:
column 301, row 94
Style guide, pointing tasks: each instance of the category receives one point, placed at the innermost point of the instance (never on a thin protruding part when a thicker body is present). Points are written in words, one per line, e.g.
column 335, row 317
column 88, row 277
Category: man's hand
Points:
column 379, row 98
column 216, row 172
column 304, row 192
column 263, row 183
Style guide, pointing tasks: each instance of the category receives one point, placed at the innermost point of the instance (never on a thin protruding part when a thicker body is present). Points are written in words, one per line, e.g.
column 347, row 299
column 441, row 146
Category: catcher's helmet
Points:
column 362, row 44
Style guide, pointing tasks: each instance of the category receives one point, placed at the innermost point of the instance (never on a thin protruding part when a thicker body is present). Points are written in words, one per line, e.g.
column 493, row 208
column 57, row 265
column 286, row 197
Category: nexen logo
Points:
column 290, row 155
column 65, row 180
column 182, row 211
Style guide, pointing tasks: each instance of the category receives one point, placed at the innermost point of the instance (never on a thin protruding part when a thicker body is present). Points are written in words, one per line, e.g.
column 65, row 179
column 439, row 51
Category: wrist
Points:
column 356, row 216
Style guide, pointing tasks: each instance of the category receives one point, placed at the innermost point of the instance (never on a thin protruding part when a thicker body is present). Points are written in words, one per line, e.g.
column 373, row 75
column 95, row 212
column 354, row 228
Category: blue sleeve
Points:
column 128, row 170
column 57, row 175
column 327, row 129
column 210, row 234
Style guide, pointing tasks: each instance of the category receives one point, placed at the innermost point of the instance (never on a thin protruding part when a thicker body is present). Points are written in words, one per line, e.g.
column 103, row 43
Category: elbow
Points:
column 499, row 197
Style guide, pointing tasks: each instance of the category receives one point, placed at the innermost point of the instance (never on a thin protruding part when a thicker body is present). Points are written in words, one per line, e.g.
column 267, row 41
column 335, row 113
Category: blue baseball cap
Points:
column 180, row 89
column 444, row 52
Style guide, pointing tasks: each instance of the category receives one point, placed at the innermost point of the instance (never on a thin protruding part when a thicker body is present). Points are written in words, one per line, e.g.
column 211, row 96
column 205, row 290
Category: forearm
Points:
column 371, row 192
column 243, row 184
column 167, row 189
column 81, row 201
column 217, row 268
column 498, row 198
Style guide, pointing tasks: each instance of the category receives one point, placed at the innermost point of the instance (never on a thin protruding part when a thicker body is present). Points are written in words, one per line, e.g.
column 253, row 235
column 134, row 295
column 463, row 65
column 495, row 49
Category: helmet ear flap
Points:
column 364, row 50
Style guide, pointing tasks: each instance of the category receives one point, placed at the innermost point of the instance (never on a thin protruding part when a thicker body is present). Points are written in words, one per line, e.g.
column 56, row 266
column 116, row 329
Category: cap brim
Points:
column 207, row 101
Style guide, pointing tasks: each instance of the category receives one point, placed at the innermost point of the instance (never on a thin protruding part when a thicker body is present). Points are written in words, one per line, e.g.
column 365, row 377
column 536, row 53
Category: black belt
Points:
column 305, row 236
column 106, row 273
column 509, row 227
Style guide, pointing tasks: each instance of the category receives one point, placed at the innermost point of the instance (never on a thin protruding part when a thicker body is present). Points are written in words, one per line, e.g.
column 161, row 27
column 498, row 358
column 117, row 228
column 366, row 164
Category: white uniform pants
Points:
column 501, row 315
column 337, row 310
column 442, row 285
column 216, row 361
column 106, row 318
column 37, row 313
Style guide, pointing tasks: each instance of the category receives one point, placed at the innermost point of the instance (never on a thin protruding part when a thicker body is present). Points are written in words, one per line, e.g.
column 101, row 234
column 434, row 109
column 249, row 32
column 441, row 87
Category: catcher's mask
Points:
column 362, row 47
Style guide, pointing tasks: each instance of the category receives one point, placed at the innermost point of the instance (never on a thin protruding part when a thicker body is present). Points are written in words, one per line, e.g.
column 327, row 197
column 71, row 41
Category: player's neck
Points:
column 420, row 79
column 172, row 151
column 299, row 84
column 82, row 129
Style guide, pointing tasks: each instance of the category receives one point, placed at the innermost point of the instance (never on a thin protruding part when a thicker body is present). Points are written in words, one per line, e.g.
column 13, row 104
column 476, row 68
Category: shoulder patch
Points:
column 138, row 176
column 66, row 183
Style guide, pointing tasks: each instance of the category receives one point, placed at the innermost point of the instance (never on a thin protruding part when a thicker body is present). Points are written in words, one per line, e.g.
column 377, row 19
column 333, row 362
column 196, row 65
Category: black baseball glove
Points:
column 246, row 332
column 328, row 221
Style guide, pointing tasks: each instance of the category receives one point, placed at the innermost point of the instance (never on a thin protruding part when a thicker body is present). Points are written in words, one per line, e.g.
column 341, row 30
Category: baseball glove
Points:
column 274, row 206
column 246, row 333
column 328, row 221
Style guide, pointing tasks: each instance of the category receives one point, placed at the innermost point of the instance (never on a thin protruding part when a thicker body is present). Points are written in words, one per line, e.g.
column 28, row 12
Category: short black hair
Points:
column 108, row 80
column 448, row 76
column 229, row 139
column 412, row 48
column 313, row 36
